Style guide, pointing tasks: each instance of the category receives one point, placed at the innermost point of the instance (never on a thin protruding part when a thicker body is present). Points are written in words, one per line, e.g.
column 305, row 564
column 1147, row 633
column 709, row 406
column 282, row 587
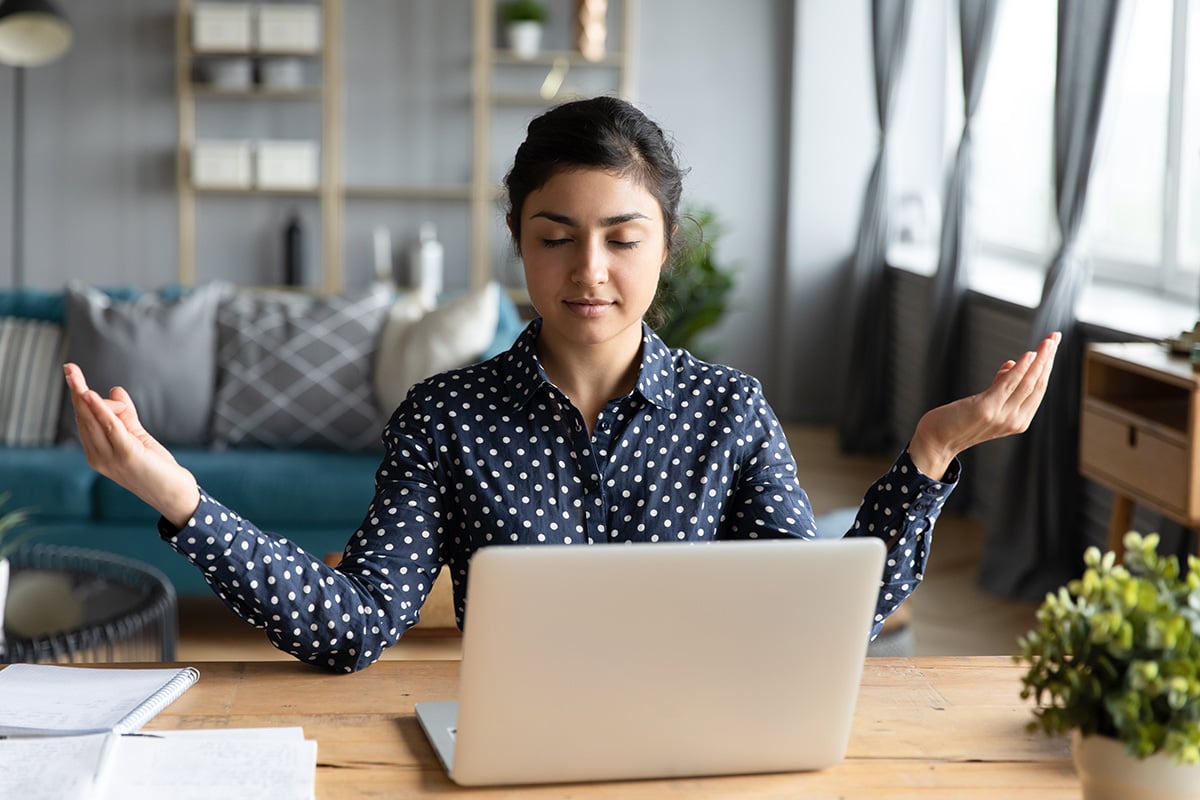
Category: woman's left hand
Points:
column 1004, row 408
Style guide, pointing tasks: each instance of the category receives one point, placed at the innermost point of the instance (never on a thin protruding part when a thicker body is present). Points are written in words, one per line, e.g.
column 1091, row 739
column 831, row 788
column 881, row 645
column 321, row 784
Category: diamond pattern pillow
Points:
column 31, row 381
column 295, row 371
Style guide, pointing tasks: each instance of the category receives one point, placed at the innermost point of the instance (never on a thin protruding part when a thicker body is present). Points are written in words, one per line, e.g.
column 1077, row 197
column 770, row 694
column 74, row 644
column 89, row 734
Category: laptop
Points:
column 656, row 660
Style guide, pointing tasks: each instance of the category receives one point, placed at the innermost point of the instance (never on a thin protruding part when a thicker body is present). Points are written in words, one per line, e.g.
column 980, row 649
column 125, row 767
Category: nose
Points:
column 591, row 264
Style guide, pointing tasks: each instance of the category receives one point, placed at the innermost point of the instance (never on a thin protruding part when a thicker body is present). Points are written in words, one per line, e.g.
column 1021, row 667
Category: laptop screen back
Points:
column 662, row 660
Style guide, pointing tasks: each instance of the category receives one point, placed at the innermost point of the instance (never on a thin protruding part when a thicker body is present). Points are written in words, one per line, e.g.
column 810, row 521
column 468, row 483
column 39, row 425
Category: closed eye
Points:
column 552, row 243
column 625, row 245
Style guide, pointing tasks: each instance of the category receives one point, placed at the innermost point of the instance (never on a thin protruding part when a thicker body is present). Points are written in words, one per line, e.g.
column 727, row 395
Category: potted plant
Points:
column 10, row 523
column 523, row 22
column 1114, row 659
column 693, row 292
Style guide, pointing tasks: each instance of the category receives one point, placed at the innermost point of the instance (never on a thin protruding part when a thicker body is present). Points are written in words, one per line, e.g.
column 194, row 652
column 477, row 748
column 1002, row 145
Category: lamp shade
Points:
column 32, row 32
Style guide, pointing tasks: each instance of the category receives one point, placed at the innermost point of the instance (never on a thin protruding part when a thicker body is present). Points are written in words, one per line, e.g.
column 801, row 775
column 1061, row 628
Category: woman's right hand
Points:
column 119, row 448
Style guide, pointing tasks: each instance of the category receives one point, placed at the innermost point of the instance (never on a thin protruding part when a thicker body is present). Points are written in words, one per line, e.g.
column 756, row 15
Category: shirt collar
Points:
column 524, row 375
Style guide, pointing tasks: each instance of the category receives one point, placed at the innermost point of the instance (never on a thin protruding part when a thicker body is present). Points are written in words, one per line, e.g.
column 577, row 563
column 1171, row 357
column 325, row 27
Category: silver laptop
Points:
column 657, row 660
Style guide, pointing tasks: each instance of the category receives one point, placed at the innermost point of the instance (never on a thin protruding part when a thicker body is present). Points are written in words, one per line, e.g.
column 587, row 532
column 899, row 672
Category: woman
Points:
column 588, row 430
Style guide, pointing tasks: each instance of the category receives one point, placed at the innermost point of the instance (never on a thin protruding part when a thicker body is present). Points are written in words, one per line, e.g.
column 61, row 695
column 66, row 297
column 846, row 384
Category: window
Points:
column 1142, row 221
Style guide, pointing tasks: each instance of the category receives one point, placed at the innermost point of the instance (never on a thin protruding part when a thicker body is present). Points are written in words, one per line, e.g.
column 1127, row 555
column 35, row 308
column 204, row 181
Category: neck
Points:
column 592, row 375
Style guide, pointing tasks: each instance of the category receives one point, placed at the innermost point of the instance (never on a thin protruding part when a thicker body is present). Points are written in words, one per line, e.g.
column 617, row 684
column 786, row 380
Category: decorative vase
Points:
column 591, row 28
column 525, row 38
column 1108, row 772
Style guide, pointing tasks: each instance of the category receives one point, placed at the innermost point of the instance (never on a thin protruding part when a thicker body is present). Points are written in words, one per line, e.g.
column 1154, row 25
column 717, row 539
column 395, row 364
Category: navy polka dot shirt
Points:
column 495, row 454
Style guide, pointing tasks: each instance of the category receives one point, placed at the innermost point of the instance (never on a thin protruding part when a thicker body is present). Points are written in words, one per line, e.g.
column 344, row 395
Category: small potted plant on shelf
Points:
column 523, row 23
column 1114, row 660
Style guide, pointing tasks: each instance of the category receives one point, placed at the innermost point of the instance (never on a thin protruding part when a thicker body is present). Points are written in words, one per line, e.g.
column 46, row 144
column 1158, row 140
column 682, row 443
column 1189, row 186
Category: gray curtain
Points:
column 943, row 362
column 863, row 422
column 1036, row 540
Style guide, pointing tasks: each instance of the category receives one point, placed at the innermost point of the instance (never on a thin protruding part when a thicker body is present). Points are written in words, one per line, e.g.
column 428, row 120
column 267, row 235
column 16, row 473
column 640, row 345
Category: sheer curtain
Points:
column 977, row 25
column 863, row 423
column 1036, row 539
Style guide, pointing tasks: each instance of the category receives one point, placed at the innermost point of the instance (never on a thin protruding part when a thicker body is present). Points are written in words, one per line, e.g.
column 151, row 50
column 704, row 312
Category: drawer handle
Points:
column 1133, row 436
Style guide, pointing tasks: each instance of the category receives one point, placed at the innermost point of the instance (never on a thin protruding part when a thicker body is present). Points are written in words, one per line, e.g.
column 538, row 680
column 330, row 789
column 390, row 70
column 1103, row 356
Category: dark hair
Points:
column 602, row 132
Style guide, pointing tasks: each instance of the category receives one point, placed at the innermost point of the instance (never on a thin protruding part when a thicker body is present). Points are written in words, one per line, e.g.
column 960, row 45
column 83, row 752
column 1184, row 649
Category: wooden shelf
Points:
column 548, row 58
column 456, row 192
column 257, row 93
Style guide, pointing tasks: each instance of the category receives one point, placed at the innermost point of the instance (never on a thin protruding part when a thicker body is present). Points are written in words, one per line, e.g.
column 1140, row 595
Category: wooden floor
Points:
column 951, row 615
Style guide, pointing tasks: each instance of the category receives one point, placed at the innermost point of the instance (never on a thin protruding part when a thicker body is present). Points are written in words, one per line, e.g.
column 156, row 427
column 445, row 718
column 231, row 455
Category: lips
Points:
column 589, row 307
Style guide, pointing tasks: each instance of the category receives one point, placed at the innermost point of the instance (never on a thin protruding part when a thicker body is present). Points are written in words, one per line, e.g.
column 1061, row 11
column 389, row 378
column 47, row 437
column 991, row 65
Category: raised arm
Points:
column 1004, row 408
column 118, row 447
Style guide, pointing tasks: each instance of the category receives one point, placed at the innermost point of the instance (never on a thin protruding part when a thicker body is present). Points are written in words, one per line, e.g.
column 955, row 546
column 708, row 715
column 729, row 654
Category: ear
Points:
column 508, row 222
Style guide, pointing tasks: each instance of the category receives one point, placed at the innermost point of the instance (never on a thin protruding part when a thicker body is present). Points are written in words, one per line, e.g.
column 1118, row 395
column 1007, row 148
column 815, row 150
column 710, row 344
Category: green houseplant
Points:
column 1114, row 659
column 11, row 535
column 693, row 292
column 11, row 527
column 524, row 11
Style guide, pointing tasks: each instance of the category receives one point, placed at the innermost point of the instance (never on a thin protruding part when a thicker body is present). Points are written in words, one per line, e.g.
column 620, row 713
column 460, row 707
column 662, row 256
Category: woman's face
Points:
column 593, row 246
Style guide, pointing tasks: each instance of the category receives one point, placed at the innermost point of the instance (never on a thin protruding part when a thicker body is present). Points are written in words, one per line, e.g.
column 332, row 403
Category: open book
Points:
column 48, row 700
column 231, row 764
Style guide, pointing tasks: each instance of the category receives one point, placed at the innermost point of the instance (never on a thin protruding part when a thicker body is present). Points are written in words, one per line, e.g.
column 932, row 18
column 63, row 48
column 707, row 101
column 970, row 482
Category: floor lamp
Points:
column 32, row 33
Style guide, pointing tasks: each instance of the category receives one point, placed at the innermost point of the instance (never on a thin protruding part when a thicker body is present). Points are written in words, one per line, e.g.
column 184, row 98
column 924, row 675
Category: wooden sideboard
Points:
column 1139, row 432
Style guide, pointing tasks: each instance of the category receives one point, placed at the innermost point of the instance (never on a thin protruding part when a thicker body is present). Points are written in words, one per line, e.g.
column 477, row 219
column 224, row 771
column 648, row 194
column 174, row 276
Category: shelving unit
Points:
column 190, row 94
column 1140, row 432
column 475, row 195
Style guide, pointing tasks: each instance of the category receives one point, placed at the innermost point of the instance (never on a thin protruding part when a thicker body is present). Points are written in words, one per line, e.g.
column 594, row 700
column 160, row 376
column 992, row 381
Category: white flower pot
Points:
column 1108, row 772
column 3, row 598
column 525, row 38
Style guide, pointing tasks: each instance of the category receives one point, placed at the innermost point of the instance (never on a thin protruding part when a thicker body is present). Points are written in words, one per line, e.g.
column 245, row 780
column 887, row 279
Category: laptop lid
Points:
column 659, row 660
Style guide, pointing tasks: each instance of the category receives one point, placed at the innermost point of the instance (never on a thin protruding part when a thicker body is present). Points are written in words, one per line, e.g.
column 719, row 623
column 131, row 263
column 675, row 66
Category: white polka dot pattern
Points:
column 495, row 454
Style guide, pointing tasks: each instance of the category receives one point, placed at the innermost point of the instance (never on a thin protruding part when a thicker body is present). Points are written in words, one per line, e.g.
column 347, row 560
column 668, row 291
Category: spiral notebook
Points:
column 51, row 700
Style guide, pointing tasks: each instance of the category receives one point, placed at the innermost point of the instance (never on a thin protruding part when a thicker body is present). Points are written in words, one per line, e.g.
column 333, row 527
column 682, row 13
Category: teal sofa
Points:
column 315, row 496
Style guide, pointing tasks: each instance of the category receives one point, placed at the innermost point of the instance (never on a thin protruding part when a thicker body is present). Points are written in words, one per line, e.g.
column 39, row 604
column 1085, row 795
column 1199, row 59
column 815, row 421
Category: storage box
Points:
column 289, row 28
column 286, row 165
column 221, row 27
column 221, row 164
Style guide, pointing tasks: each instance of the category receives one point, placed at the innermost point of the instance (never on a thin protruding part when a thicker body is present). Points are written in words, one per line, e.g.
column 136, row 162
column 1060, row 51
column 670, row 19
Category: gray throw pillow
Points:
column 161, row 350
column 295, row 371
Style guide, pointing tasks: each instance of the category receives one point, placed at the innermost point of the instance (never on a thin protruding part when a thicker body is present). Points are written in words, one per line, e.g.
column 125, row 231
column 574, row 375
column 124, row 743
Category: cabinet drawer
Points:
column 1130, row 458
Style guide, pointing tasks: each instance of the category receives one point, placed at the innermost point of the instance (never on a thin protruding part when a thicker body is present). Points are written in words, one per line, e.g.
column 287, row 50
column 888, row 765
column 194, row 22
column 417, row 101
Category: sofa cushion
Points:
column 272, row 488
column 161, row 350
column 54, row 482
column 295, row 371
column 31, row 381
column 416, row 343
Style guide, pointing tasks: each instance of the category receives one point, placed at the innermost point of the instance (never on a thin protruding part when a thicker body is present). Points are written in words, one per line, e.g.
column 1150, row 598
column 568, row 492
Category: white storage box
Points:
column 289, row 28
column 221, row 27
column 221, row 164
column 286, row 165
column 282, row 73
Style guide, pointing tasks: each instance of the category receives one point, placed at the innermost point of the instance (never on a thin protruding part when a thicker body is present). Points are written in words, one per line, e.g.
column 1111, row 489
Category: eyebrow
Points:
column 607, row 222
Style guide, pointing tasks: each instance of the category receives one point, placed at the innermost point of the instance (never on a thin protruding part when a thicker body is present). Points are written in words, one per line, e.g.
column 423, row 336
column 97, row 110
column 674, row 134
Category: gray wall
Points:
column 754, row 118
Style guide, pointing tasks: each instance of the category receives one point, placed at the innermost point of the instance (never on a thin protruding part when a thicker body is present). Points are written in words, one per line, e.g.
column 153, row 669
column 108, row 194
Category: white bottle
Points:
column 425, row 265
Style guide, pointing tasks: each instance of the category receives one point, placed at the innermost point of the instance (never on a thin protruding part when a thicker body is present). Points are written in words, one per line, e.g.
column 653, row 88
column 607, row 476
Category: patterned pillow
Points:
column 31, row 381
column 295, row 371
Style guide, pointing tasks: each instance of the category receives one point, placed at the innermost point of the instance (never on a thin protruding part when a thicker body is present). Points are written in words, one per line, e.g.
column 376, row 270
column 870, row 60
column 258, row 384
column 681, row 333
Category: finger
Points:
column 92, row 434
column 74, row 378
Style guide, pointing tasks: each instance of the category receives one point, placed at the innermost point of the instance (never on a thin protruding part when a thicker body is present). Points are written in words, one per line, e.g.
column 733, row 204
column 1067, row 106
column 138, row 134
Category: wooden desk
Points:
column 1140, row 432
column 925, row 728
